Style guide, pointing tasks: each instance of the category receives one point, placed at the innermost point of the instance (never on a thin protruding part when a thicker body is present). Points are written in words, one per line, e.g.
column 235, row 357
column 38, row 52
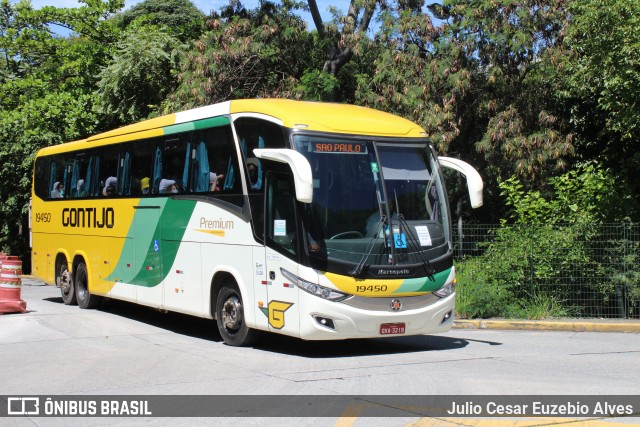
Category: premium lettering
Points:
column 220, row 224
column 88, row 217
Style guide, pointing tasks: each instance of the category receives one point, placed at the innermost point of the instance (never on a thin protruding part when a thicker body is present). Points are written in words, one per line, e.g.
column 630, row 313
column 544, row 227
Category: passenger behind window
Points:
column 215, row 181
column 80, row 191
column 110, row 186
column 58, row 190
column 168, row 186
column 144, row 183
column 254, row 178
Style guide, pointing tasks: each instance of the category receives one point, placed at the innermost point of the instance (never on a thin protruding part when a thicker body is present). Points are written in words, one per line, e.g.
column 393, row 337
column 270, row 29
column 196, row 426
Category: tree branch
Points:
column 317, row 19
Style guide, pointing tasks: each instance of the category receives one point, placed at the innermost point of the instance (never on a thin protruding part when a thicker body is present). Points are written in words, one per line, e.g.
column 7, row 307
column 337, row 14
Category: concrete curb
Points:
column 631, row 326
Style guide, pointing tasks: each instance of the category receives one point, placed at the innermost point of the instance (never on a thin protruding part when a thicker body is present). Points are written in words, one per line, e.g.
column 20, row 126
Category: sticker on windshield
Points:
column 374, row 167
column 279, row 227
column 423, row 235
column 400, row 241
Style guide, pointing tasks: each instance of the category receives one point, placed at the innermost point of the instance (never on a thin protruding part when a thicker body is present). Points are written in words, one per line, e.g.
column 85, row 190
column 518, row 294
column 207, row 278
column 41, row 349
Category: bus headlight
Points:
column 315, row 289
column 446, row 290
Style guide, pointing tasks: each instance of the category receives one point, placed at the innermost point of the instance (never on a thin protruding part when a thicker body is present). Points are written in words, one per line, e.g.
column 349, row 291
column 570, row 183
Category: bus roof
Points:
column 330, row 117
column 317, row 116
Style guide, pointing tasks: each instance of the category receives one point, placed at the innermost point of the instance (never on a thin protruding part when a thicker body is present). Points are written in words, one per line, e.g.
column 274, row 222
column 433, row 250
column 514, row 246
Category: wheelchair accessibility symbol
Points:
column 400, row 241
column 156, row 246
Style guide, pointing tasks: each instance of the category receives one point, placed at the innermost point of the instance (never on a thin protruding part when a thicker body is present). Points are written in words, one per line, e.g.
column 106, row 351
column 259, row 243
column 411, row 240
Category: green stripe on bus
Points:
column 425, row 284
column 153, row 241
column 211, row 123
column 200, row 124
column 182, row 127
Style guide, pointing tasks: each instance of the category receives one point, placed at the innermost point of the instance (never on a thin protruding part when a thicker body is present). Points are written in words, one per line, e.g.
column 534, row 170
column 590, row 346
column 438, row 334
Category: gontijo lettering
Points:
column 88, row 217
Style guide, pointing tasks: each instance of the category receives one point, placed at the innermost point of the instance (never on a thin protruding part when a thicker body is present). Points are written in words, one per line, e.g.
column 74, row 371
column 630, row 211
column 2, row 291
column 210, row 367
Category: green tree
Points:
column 46, row 94
column 142, row 73
column 582, row 195
column 605, row 65
column 551, row 252
column 341, row 38
column 39, row 122
column 419, row 74
column 246, row 54
column 485, row 84
column 179, row 18
column 603, row 86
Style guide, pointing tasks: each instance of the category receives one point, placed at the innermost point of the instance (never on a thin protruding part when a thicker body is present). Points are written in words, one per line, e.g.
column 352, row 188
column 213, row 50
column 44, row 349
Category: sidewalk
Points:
column 575, row 325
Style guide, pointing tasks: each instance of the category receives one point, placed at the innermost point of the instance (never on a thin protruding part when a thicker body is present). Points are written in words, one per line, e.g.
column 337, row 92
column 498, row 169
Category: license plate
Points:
column 392, row 328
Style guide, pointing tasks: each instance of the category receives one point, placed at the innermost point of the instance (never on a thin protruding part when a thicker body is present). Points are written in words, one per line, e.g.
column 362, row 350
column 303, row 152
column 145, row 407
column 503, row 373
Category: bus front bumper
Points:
column 327, row 320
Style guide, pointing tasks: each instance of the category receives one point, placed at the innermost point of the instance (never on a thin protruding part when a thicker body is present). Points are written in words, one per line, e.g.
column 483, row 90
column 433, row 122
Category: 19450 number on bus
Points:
column 371, row 288
column 43, row 217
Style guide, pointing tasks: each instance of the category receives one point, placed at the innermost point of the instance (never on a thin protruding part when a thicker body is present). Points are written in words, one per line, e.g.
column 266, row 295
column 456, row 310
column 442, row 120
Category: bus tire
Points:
column 84, row 297
column 64, row 281
column 230, row 318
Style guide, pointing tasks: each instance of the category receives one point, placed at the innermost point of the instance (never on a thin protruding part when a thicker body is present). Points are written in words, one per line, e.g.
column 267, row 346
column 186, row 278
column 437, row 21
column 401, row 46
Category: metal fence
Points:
column 587, row 270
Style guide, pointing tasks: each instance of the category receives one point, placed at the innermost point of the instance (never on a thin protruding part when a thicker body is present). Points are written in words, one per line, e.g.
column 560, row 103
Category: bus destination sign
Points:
column 340, row 147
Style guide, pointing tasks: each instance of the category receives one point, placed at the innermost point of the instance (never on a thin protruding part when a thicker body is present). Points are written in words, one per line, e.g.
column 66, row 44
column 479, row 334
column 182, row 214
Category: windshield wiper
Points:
column 356, row 272
column 428, row 268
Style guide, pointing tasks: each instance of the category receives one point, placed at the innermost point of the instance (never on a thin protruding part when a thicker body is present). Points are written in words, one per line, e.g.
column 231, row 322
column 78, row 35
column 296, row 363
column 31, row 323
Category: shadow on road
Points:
column 358, row 347
column 182, row 324
column 206, row 329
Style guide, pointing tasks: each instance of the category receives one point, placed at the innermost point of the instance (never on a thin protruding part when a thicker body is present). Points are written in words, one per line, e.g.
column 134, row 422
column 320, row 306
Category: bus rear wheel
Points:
column 65, row 283
column 230, row 318
column 85, row 299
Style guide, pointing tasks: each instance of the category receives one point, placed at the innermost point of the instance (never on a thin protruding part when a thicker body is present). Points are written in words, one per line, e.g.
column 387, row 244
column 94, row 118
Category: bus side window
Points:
column 108, row 169
column 137, row 168
column 80, row 175
column 171, row 164
column 256, row 133
column 41, row 177
column 57, row 177
column 214, row 164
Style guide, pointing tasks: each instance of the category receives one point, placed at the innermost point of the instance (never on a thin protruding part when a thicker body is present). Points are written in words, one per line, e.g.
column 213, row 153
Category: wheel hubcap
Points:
column 65, row 281
column 232, row 313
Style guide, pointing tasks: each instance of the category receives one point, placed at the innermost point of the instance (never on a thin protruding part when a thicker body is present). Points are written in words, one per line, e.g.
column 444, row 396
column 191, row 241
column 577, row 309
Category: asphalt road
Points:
column 123, row 349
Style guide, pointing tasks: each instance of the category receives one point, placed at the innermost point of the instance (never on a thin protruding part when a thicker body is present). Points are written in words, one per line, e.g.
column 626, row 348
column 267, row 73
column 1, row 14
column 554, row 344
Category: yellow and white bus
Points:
column 319, row 221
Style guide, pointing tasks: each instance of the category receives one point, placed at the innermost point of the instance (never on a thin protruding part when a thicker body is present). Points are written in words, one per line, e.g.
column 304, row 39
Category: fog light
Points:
column 446, row 317
column 326, row 322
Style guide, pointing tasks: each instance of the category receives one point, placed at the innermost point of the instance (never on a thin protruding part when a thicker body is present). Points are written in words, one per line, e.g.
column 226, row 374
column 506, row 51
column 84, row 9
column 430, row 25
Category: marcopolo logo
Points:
column 393, row 272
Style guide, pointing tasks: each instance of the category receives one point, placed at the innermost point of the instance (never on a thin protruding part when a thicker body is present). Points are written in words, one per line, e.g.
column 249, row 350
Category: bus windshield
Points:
column 374, row 203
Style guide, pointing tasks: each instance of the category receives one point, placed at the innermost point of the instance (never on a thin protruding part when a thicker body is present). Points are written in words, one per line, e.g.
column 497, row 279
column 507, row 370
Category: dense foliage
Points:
column 540, row 95
column 245, row 55
column 552, row 250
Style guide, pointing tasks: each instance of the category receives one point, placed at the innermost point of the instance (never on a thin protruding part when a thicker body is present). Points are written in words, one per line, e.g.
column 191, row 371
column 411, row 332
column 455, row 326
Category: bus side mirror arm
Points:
column 474, row 181
column 302, row 175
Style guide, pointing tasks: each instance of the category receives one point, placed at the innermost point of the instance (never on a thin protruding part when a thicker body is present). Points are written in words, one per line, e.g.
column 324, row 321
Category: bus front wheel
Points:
column 85, row 299
column 230, row 318
column 65, row 283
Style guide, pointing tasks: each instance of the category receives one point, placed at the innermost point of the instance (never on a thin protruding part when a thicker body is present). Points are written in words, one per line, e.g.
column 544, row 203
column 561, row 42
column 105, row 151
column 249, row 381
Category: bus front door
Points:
column 281, row 253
